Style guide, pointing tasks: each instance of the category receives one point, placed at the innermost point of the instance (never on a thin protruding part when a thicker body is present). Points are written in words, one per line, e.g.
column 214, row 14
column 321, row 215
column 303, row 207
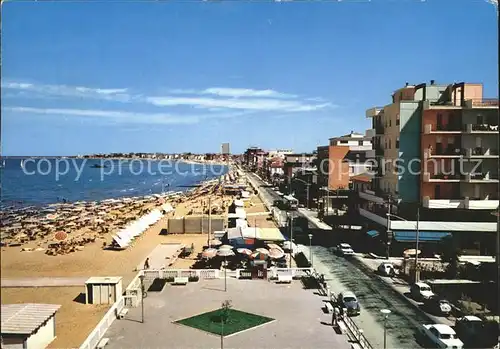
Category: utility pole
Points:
column 389, row 235
column 209, row 219
column 327, row 199
column 417, row 272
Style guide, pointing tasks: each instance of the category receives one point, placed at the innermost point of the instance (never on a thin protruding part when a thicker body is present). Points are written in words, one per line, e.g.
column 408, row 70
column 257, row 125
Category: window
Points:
column 344, row 142
column 390, row 146
column 397, row 119
column 397, row 143
column 360, row 143
column 390, row 122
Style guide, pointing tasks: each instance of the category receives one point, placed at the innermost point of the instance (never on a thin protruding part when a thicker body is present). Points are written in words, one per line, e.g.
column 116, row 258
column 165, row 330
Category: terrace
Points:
column 268, row 315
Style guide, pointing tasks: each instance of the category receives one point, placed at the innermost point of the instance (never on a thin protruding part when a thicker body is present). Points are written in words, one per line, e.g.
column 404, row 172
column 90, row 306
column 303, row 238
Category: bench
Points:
column 180, row 281
column 122, row 313
column 329, row 307
column 284, row 279
column 102, row 343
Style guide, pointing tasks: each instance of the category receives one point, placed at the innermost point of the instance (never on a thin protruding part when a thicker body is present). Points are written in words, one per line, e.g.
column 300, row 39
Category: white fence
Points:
column 96, row 335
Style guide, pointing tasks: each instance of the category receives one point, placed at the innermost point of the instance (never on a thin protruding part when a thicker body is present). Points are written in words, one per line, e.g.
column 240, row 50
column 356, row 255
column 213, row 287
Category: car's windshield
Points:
column 446, row 336
column 349, row 299
column 345, row 246
column 425, row 289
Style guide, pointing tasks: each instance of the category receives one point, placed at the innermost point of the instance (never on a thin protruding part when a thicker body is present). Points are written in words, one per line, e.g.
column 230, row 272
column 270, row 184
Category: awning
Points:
column 411, row 236
column 373, row 233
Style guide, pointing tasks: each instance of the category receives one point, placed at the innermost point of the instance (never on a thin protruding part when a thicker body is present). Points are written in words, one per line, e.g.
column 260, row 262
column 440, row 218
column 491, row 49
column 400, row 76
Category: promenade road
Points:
column 373, row 294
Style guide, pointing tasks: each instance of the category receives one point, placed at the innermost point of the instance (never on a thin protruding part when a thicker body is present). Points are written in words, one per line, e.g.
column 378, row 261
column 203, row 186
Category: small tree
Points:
column 224, row 316
column 225, row 309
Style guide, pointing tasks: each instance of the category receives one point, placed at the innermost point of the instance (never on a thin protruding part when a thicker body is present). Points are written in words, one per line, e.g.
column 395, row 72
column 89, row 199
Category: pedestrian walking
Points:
column 146, row 263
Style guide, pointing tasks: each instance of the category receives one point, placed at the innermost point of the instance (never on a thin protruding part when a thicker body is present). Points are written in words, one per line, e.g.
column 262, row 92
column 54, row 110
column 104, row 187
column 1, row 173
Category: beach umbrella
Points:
column 60, row 235
column 259, row 255
column 215, row 242
column 411, row 252
column 262, row 250
column 244, row 251
column 209, row 253
column 51, row 216
column 271, row 246
column 225, row 253
column 275, row 253
column 226, row 247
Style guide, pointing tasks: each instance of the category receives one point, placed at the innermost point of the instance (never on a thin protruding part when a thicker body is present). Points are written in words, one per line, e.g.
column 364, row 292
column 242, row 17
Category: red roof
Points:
column 365, row 178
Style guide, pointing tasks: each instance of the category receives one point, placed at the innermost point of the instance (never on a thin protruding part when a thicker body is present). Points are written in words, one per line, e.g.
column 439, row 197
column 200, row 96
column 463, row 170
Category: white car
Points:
column 421, row 291
column 344, row 249
column 386, row 269
column 443, row 336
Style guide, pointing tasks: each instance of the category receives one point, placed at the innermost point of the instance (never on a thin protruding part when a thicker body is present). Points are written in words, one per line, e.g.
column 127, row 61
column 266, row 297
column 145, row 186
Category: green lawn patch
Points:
column 212, row 321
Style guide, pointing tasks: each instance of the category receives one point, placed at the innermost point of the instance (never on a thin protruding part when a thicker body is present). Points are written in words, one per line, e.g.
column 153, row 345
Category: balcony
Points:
column 442, row 129
column 491, row 103
column 481, row 128
column 379, row 129
column 372, row 196
column 481, row 177
column 443, row 203
column 435, row 104
column 479, row 152
column 445, row 153
column 375, row 217
column 485, row 202
column 429, row 177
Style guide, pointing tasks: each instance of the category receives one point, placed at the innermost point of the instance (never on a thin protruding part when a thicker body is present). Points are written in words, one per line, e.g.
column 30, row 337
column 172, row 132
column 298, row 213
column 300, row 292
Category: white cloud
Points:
column 119, row 95
column 118, row 116
column 244, row 92
column 127, row 117
column 241, row 104
column 212, row 100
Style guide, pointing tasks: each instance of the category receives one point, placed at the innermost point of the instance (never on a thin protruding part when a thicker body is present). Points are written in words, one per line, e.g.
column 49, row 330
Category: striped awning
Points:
column 424, row 236
column 373, row 233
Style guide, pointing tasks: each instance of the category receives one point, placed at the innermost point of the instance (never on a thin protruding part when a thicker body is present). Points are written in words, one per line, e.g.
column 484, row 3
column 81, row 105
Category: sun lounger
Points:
column 329, row 307
column 180, row 281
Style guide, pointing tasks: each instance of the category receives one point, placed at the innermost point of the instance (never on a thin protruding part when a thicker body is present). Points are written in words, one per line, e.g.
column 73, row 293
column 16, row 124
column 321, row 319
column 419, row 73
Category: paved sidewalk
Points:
column 44, row 282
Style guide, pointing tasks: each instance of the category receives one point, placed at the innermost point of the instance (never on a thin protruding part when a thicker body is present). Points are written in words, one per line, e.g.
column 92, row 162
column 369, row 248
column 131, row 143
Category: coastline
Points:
column 81, row 220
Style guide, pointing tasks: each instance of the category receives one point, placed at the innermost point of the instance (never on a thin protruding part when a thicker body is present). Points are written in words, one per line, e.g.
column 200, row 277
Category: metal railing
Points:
column 98, row 333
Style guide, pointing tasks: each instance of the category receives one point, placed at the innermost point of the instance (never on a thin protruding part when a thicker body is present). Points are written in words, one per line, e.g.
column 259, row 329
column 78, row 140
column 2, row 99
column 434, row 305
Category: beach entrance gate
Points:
column 103, row 290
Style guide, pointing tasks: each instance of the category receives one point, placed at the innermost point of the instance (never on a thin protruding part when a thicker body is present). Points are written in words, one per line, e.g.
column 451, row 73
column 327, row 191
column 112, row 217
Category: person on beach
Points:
column 146, row 263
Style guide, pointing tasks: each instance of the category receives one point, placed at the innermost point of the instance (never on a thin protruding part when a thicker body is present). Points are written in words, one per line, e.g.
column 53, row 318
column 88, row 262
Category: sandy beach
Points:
column 75, row 320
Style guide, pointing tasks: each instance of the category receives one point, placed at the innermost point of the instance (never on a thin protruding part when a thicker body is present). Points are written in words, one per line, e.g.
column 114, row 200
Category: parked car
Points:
column 349, row 301
column 475, row 332
column 442, row 336
column 386, row 269
column 344, row 249
column 438, row 306
column 421, row 291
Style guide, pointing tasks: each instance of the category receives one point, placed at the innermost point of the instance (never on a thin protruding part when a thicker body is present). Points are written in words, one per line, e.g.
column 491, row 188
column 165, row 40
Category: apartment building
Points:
column 428, row 144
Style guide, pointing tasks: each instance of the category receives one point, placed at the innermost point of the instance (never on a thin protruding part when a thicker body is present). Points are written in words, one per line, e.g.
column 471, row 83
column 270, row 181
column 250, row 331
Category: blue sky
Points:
column 86, row 77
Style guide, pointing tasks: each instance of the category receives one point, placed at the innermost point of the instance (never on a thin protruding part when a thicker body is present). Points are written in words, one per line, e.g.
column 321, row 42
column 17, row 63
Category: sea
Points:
column 41, row 181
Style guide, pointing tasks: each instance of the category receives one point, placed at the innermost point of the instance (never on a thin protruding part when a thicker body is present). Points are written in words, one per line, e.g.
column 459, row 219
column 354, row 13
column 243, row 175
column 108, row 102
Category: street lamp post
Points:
column 416, row 276
column 290, row 216
column 141, row 277
column 225, row 274
column 386, row 313
column 310, row 249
